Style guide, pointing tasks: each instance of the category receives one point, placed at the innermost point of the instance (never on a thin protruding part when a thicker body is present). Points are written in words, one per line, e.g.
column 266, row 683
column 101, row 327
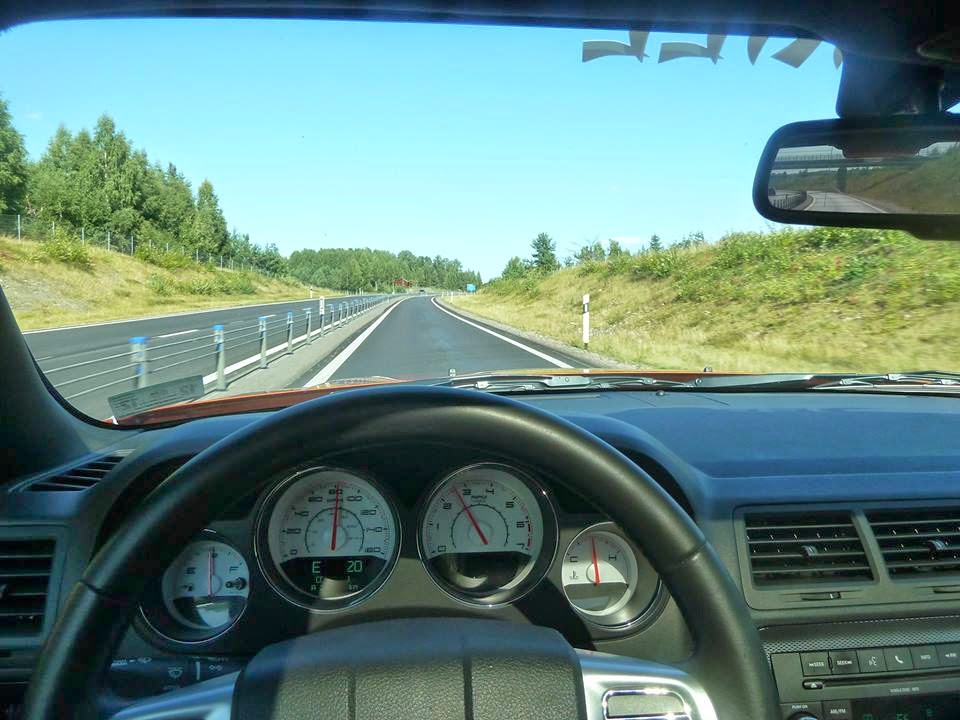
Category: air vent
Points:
column 803, row 548
column 918, row 541
column 81, row 477
column 25, row 567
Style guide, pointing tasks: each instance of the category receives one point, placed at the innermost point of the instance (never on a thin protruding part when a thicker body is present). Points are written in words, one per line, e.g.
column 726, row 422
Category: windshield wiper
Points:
column 933, row 379
column 503, row 383
column 923, row 378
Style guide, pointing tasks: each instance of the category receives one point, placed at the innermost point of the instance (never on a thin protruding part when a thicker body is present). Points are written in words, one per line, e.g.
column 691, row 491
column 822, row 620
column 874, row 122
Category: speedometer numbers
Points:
column 487, row 534
column 327, row 539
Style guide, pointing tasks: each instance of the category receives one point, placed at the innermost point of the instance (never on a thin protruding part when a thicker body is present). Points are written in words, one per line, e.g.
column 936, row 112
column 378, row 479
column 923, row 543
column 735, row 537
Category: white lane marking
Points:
column 177, row 334
column 282, row 347
column 864, row 202
column 542, row 355
column 330, row 368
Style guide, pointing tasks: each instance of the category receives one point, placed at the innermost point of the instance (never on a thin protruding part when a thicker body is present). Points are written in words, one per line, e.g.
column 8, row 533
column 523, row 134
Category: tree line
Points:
column 96, row 180
column 377, row 270
column 544, row 261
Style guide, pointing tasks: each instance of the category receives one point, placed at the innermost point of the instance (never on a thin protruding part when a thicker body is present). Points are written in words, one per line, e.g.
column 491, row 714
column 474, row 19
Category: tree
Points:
column 655, row 244
column 591, row 253
column 209, row 231
column 616, row 250
column 544, row 253
column 13, row 163
column 515, row 269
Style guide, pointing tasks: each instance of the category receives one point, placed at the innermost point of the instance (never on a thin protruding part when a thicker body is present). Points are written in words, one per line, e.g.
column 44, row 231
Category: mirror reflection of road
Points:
column 837, row 202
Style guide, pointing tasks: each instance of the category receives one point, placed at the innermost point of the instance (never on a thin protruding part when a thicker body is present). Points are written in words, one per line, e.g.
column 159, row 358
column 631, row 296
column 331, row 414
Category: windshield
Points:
column 198, row 209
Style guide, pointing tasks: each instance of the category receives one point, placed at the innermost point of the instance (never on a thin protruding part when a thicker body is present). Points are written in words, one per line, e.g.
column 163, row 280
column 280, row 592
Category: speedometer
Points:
column 488, row 534
column 327, row 538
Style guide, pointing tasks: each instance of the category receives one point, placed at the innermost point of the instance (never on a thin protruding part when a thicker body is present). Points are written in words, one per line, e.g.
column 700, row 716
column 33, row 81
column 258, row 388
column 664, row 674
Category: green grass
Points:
column 61, row 282
column 792, row 300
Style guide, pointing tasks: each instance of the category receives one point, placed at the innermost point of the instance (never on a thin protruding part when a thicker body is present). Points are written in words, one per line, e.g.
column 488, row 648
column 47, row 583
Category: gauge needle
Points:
column 210, row 575
column 473, row 520
column 336, row 518
column 596, row 565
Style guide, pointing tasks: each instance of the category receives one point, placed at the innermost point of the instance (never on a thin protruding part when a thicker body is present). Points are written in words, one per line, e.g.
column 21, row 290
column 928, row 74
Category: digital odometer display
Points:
column 487, row 534
column 331, row 538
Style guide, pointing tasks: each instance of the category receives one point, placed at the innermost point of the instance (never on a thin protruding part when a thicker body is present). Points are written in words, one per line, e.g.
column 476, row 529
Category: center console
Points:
column 905, row 682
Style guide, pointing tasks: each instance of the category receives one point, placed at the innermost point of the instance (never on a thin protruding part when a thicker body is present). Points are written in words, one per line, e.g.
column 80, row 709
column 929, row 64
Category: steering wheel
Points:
column 423, row 669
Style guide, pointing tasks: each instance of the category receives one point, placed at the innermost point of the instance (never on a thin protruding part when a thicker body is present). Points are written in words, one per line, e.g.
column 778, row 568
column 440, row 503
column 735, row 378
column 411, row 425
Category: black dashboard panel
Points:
column 720, row 455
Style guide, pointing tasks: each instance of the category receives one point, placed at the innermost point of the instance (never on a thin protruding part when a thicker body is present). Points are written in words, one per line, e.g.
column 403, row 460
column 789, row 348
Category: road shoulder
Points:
column 575, row 356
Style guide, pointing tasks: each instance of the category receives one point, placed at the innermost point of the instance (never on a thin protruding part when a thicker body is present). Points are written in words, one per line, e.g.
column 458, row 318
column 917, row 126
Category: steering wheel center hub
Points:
column 415, row 669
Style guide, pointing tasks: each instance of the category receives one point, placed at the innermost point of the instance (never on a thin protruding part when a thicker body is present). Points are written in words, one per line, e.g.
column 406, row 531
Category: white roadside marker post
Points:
column 586, row 321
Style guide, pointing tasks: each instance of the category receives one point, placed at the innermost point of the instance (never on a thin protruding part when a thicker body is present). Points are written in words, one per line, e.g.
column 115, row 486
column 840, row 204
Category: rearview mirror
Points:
column 898, row 172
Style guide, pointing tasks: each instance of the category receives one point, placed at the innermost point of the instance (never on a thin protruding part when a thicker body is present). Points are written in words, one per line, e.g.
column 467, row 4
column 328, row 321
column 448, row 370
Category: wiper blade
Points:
column 531, row 383
column 817, row 381
column 924, row 378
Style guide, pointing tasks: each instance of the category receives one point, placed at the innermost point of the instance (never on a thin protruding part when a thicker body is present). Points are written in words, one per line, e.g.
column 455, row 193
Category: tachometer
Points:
column 488, row 534
column 327, row 538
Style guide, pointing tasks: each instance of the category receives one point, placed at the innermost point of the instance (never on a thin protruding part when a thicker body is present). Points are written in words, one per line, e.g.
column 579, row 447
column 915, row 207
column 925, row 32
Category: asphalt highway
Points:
column 837, row 202
column 89, row 363
column 419, row 339
column 414, row 339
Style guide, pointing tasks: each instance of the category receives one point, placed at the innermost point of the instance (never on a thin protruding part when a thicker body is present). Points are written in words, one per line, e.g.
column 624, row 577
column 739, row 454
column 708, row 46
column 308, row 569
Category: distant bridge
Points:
column 833, row 161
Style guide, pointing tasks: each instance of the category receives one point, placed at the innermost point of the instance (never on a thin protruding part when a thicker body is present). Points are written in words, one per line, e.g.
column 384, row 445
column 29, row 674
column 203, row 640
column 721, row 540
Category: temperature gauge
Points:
column 603, row 578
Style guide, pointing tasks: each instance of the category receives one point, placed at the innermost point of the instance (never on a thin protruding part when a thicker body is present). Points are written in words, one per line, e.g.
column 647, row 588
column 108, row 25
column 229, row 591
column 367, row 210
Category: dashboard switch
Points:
column 925, row 656
column 871, row 661
column 949, row 654
column 898, row 658
column 789, row 711
column 844, row 662
column 837, row 710
column 815, row 663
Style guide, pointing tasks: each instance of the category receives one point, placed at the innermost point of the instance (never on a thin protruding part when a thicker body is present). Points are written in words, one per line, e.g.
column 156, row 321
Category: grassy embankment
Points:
column 791, row 300
column 60, row 282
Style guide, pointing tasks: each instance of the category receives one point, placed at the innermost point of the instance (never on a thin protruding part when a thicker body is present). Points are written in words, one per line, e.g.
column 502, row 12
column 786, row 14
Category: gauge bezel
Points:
column 543, row 562
column 157, row 617
column 636, row 613
column 272, row 574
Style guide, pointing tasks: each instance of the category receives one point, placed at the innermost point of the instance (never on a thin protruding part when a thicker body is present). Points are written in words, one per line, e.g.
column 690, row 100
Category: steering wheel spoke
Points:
column 208, row 700
column 622, row 687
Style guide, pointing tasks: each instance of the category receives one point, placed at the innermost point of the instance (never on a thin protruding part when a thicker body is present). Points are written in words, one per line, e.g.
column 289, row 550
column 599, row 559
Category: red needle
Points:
column 210, row 575
column 596, row 565
column 473, row 520
column 336, row 519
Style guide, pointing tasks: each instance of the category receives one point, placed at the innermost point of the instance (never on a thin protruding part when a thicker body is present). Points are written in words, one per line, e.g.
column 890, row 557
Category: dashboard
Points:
column 328, row 542
column 805, row 497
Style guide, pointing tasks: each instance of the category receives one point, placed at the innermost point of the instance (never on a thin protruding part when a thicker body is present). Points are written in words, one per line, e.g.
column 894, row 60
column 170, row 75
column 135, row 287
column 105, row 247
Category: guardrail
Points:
column 788, row 200
column 144, row 358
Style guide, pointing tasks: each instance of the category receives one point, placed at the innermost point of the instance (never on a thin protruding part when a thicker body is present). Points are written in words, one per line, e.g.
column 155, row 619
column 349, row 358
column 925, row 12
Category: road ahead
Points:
column 415, row 338
column 837, row 202
column 418, row 339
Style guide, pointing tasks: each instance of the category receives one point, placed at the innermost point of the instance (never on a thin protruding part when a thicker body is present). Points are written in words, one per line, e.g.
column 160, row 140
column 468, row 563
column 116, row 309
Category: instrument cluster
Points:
column 326, row 539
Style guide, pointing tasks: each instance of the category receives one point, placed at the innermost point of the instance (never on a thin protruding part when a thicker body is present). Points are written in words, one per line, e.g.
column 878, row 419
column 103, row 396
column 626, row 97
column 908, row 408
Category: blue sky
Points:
column 462, row 141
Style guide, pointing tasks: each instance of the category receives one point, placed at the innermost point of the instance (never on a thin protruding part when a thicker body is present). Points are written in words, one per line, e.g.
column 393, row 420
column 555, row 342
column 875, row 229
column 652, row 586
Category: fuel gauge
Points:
column 202, row 593
column 603, row 578
column 206, row 587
